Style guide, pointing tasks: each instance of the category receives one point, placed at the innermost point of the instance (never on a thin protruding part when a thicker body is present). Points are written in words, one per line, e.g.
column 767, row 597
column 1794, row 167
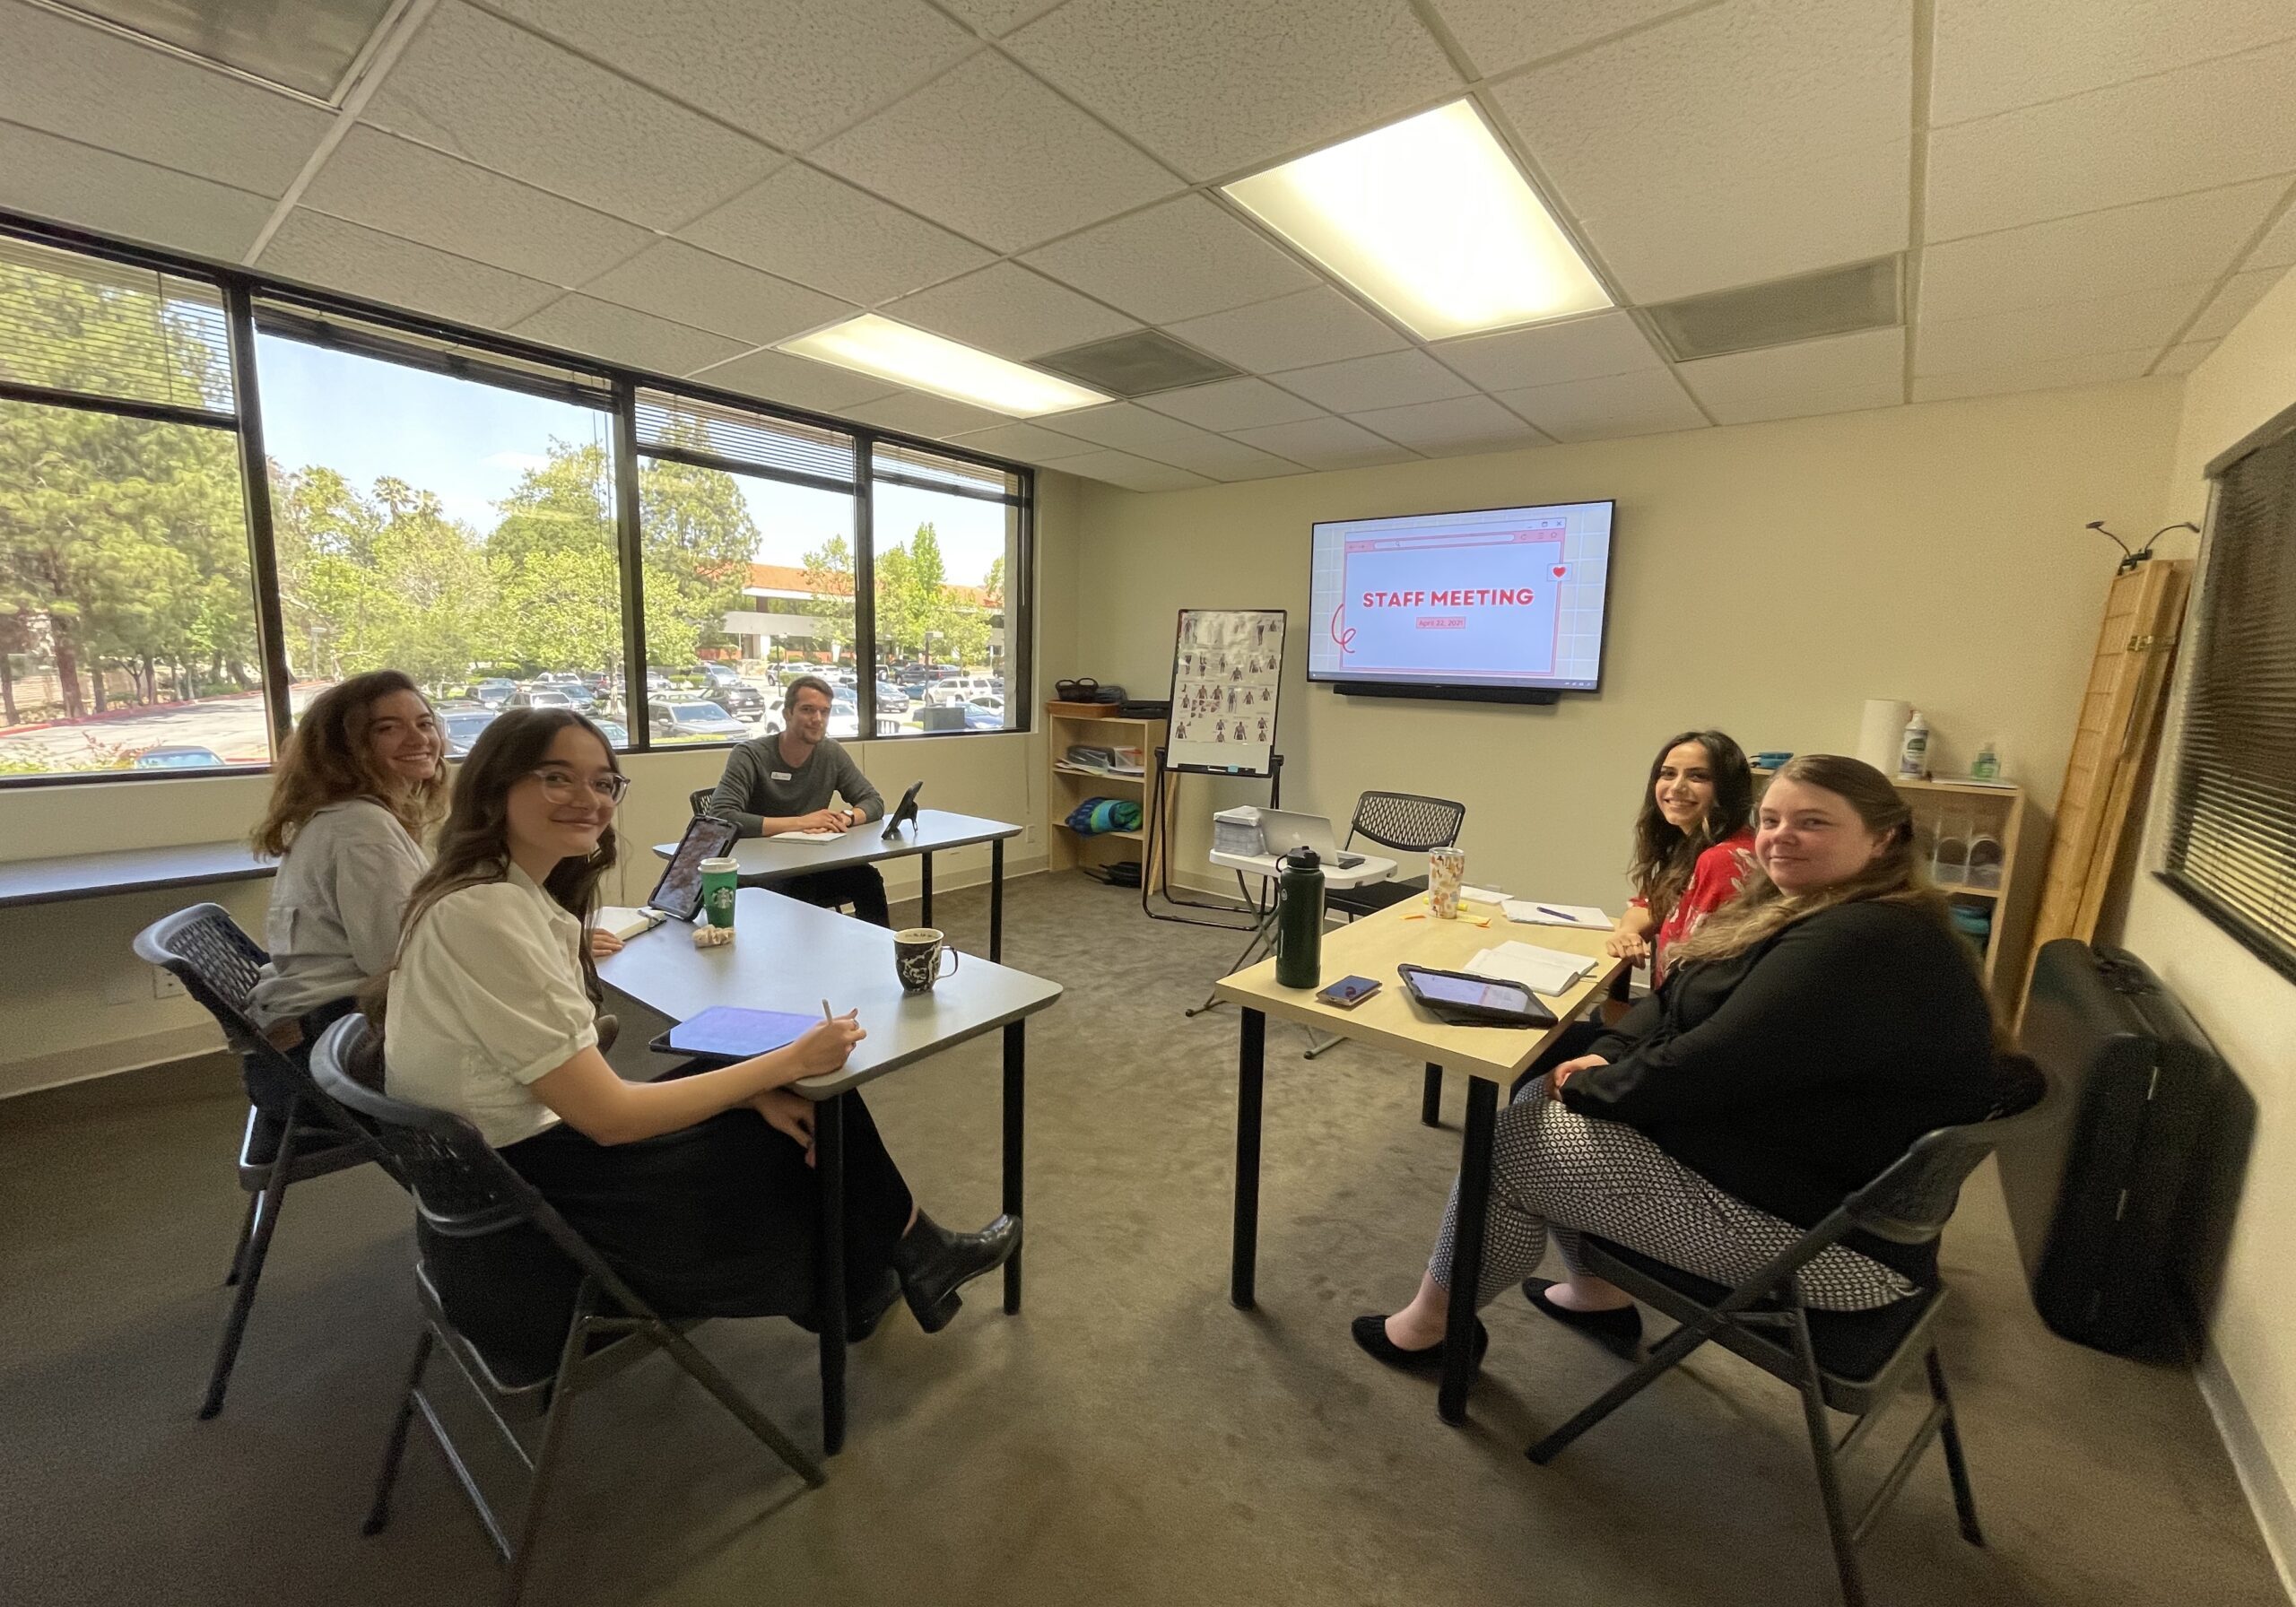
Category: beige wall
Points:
column 1766, row 579
column 74, row 1002
column 2248, row 1008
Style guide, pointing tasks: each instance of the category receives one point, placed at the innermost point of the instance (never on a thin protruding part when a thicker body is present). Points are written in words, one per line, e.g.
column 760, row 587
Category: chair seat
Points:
column 319, row 1148
column 1854, row 1348
column 1373, row 897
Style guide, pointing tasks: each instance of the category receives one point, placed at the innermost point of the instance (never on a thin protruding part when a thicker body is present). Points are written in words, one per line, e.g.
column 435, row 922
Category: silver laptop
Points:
column 1282, row 830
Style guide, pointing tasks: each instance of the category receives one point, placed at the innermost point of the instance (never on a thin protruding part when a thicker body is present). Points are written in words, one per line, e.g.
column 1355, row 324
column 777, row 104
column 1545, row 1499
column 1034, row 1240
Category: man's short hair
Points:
column 805, row 684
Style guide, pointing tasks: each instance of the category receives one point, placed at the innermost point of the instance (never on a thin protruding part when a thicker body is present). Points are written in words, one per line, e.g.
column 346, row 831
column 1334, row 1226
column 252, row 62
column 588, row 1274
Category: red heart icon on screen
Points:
column 1558, row 571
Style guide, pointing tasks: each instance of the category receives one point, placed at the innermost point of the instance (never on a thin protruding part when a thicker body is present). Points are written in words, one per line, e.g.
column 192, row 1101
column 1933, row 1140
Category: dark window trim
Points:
column 916, row 484
column 2235, row 925
column 750, row 470
column 158, row 412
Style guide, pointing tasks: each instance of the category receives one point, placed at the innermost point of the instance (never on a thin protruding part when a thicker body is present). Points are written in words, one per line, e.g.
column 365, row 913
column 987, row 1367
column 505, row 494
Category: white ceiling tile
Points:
column 1614, row 404
column 478, row 88
column 2231, row 304
column 672, row 280
column 105, row 91
column 1391, row 379
column 1738, row 143
column 1500, row 34
column 915, row 413
column 1027, row 442
column 791, row 71
column 1835, row 375
column 795, row 382
column 804, row 225
column 1126, row 425
column 1608, row 343
column 1227, row 404
column 1214, row 86
column 995, row 154
column 1132, row 473
column 996, row 18
column 1991, row 56
column 2277, row 250
column 2038, row 334
column 2095, row 367
column 413, row 192
column 1010, row 311
column 2199, row 126
column 1445, row 428
column 1221, row 458
column 337, row 255
column 1183, row 259
column 613, row 333
column 55, row 178
column 1291, row 331
column 1323, row 443
column 2096, row 253
column 2183, row 358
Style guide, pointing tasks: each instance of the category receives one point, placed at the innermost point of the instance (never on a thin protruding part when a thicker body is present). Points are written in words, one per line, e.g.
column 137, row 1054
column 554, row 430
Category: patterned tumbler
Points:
column 1446, row 869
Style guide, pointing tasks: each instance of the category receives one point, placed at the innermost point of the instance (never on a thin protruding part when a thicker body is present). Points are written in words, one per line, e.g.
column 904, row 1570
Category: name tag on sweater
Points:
column 782, row 776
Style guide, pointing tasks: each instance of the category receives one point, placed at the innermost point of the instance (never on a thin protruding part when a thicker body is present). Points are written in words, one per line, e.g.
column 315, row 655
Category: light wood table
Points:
column 1389, row 1020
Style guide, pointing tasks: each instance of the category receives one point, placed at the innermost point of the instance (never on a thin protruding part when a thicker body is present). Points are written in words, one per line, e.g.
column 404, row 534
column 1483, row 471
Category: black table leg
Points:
column 1015, row 1073
column 1466, row 1253
column 828, row 1160
column 997, row 900
column 925, row 893
column 1250, row 1064
column 1431, row 1096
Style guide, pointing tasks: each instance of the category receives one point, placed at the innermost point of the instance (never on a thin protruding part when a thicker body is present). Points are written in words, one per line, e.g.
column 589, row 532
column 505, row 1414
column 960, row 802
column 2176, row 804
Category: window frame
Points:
column 241, row 288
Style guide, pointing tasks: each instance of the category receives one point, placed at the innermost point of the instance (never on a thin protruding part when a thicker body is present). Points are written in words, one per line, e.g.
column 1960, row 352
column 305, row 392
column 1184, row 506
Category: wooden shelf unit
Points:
column 1098, row 726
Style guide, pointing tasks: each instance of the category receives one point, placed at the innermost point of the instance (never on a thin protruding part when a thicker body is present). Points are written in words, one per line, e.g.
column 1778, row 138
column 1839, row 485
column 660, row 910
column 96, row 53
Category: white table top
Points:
column 765, row 860
column 788, row 955
column 1372, row 869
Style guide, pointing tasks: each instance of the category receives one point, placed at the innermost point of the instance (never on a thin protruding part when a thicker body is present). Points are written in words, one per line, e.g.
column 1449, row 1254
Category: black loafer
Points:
column 1620, row 1329
column 1370, row 1334
column 934, row 1263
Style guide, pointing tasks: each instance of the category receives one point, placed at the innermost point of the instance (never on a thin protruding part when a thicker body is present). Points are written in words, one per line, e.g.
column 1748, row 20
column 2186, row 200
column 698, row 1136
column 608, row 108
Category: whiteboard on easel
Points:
column 1227, row 669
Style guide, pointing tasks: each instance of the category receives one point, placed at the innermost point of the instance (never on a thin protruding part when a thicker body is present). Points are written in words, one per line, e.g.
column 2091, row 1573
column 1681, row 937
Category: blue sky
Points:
column 470, row 443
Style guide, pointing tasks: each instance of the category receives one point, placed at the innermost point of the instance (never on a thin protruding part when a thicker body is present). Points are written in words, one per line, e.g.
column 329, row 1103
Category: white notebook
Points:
column 1541, row 970
column 1538, row 912
column 809, row 837
column 624, row 922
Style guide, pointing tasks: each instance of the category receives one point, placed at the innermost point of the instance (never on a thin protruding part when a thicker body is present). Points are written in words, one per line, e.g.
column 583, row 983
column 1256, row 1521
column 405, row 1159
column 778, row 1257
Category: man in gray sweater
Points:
column 777, row 784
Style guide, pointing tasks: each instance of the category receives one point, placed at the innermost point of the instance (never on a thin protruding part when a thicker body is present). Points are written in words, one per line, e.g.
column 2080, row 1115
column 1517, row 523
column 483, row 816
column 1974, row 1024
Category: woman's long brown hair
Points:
column 328, row 760
column 1664, row 855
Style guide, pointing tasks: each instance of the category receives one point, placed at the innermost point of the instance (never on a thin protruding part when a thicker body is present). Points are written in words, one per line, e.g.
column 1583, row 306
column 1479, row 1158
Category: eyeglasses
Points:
column 563, row 787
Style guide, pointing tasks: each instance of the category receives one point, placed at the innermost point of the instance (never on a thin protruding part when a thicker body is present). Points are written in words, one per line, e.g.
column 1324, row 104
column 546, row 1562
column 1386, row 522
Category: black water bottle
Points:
column 1300, row 920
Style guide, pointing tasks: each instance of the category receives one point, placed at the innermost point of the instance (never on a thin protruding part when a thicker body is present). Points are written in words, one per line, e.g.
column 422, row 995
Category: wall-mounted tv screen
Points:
column 1503, row 604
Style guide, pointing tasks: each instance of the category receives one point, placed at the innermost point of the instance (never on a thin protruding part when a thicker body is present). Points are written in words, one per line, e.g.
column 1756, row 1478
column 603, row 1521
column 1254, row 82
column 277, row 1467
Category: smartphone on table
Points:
column 1348, row 991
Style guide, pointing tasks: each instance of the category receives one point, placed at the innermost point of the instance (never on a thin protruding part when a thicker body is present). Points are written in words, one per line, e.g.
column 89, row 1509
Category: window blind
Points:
column 2232, row 837
column 84, row 325
column 931, row 471
column 740, row 438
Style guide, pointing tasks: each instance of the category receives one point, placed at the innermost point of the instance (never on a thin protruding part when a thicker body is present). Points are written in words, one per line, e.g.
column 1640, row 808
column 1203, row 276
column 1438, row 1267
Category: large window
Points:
column 127, row 621
column 511, row 527
column 2231, row 839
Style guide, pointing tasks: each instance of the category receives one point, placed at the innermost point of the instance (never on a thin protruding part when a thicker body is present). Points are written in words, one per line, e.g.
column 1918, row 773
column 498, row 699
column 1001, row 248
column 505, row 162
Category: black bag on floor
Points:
column 2098, row 1198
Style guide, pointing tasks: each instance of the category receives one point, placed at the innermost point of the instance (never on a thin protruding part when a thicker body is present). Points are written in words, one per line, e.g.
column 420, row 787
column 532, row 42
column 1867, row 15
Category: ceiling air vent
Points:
column 1836, row 301
column 1138, row 364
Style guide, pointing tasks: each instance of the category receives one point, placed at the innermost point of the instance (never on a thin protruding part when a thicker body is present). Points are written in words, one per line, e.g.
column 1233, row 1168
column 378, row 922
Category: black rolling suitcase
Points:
column 2100, row 1197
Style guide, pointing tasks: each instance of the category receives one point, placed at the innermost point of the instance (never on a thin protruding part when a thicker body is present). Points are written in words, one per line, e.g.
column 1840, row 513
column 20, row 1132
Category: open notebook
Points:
column 1547, row 971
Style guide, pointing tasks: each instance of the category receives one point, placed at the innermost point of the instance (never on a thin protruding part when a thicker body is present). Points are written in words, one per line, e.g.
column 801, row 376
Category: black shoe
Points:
column 1370, row 1332
column 934, row 1263
column 1619, row 1330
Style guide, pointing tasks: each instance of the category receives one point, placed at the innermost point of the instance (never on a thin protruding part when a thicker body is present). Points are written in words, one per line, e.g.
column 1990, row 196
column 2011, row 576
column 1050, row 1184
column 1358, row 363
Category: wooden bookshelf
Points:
column 1098, row 726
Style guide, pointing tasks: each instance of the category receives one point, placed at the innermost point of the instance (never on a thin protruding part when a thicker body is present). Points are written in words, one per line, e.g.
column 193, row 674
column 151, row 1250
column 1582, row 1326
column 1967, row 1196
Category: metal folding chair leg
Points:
column 240, row 1244
column 704, row 1372
column 394, row 1449
column 264, row 1214
column 545, row 1463
column 1814, row 1417
column 1957, row 1467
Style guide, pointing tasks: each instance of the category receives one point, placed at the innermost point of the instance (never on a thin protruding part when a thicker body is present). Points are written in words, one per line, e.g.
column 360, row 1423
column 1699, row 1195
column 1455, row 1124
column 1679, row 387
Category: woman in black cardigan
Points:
column 1803, row 1037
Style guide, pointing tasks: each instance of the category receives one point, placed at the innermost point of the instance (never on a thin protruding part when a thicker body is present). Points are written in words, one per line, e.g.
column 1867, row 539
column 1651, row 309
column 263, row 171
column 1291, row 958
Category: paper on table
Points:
column 1541, row 970
column 624, row 922
column 1532, row 912
column 1482, row 895
column 809, row 837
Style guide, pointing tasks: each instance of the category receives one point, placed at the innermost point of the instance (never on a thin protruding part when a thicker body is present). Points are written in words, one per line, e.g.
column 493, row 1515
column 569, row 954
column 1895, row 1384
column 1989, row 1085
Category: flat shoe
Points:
column 1619, row 1330
column 1370, row 1334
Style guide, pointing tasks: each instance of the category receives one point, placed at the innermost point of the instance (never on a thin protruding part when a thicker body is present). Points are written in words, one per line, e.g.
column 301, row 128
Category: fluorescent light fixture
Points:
column 1430, row 219
column 946, row 367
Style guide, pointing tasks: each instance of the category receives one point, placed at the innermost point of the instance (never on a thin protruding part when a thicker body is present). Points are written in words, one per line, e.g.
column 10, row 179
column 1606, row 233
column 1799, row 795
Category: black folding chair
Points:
column 1852, row 1361
column 699, row 799
column 477, row 1221
column 1409, row 823
column 217, row 964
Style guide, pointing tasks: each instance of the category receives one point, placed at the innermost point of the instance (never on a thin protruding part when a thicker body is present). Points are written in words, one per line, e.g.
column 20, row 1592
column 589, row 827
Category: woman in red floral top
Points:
column 1692, row 843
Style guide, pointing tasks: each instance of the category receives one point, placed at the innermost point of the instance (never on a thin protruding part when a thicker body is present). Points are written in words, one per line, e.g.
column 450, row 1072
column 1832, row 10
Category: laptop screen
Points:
column 678, row 894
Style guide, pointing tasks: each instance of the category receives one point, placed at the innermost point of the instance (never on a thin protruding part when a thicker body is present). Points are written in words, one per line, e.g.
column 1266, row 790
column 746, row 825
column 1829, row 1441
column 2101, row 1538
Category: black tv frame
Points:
column 1461, row 692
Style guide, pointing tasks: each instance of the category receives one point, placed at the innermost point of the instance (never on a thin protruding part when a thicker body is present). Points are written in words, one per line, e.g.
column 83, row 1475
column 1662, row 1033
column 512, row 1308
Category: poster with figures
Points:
column 1227, row 667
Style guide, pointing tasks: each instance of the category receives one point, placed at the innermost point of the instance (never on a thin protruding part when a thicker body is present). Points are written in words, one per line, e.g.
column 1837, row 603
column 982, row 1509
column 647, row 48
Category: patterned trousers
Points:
column 1553, row 1168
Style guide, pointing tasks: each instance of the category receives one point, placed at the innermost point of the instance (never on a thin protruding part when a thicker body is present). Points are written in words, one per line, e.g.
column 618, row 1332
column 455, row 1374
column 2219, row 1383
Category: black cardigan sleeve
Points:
column 1796, row 1021
column 1629, row 1030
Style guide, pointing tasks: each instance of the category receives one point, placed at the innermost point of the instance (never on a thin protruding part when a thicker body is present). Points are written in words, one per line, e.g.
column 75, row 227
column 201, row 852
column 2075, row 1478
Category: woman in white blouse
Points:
column 698, row 1187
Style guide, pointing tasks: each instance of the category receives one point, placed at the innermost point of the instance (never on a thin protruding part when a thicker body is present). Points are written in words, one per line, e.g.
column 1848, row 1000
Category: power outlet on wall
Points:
column 165, row 985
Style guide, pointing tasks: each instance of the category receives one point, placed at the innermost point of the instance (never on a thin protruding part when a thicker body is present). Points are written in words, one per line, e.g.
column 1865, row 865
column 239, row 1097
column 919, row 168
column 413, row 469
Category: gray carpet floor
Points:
column 1130, row 1437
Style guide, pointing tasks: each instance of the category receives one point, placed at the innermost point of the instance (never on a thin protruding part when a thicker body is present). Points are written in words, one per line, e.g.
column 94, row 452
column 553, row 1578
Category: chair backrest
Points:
column 1910, row 1203
column 699, row 799
column 217, row 963
column 1407, row 820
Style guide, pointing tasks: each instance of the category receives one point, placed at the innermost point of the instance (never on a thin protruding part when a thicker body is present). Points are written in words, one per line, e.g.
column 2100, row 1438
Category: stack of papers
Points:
column 1481, row 895
column 1541, row 970
column 809, row 837
column 623, row 922
column 1533, row 912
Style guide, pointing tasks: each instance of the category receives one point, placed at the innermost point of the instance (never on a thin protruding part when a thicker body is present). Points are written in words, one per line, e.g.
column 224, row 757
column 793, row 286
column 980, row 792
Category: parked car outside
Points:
column 961, row 688
column 495, row 692
column 991, row 703
column 462, row 726
column 891, row 699
column 182, row 756
column 616, row 732
column 978, row 719
column 739, row 697
column 696, row 722
column 545, row 697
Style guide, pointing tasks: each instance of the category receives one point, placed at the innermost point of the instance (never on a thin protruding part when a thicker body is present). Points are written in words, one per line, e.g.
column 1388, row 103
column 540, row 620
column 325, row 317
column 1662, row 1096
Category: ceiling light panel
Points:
column 1431, row 220
column 930, row 362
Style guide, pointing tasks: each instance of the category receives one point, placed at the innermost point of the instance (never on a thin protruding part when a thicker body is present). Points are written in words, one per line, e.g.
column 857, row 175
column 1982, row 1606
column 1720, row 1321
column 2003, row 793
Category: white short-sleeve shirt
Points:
column 487, row 996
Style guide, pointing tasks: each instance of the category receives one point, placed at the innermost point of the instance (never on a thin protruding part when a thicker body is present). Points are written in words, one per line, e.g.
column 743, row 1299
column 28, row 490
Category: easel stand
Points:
column 1163, row 804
